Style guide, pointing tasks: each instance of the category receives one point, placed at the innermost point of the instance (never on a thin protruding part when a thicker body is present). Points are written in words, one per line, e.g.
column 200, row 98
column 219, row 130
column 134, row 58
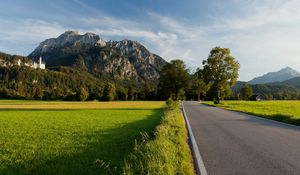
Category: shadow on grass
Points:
column 279, row 117
column 104, row 154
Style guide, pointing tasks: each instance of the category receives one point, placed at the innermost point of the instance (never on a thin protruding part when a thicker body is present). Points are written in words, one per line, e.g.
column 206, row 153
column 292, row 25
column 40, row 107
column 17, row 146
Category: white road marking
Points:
column 195, row 150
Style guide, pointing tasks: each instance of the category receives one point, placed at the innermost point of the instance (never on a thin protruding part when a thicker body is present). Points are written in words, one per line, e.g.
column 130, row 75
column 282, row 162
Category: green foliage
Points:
column 167, row 153
column 174, row 78
column 277, row 92
column 246, row 91
column 82, row 94
column 64, row 83
column 109, row 92
column 269, row 91
column 221, row 71
column 198, row 86
column 26, row 83
column 73, row 141
column 172, row 105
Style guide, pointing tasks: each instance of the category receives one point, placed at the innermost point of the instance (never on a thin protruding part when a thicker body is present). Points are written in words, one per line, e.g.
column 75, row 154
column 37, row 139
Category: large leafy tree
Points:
column 221, row 71
column 174, row 78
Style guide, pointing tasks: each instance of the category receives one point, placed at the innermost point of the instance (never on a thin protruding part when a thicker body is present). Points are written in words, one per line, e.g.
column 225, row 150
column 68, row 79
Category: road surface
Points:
column 234, row 143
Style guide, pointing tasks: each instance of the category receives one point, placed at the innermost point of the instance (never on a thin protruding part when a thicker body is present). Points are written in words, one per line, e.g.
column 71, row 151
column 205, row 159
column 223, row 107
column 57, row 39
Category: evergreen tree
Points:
column 109, row 92
column 82, row 94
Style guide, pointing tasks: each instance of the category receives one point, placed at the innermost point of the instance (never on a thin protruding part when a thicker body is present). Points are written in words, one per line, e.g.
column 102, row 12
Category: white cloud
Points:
column 264, row 37
column 17, row 37
column 29, row 29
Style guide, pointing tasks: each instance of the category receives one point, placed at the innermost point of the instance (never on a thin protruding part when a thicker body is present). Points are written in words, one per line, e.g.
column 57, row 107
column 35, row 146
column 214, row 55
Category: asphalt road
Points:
column 236, row 143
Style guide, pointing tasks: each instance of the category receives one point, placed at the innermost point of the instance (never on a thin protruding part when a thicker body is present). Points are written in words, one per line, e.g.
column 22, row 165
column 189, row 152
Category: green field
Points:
column 71, row 137
column 285, row 111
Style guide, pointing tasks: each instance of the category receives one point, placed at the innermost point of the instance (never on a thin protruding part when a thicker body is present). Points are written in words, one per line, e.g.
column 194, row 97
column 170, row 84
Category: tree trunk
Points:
column 217, row 98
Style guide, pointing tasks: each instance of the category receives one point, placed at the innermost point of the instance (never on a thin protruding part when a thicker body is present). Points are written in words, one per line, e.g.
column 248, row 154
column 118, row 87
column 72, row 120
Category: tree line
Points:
column 219, row 73
column 212, row 81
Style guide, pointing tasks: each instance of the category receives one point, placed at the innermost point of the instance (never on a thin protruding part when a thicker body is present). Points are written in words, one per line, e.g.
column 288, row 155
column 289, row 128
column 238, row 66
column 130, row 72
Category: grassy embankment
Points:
column 38, row 137
column 284, row 111
column 168, row 153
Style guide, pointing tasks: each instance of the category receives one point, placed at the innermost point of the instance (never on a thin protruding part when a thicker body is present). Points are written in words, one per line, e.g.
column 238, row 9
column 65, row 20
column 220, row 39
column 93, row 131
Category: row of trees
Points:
column 219, row 73
column 214, row 80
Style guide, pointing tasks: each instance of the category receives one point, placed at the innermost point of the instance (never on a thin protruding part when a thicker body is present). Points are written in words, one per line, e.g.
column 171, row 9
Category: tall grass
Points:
column 167, row 153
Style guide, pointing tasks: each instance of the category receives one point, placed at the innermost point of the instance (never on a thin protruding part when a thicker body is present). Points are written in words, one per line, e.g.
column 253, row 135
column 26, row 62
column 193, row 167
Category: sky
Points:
column 263, row 35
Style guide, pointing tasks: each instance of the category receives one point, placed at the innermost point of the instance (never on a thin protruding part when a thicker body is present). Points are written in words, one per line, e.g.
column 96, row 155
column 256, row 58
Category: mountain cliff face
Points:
column 126, row 60
column 281, row 75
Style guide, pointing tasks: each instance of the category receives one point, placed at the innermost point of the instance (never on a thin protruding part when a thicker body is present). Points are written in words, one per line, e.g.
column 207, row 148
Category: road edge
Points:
column 198, row 161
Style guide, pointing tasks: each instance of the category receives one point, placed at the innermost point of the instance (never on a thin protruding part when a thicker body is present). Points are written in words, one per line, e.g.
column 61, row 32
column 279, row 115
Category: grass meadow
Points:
column 38, row 137
column 284, row 111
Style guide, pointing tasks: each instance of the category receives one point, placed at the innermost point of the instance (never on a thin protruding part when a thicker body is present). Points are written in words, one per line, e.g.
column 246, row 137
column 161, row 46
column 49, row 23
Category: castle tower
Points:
column 40, row 60
column 40, row 64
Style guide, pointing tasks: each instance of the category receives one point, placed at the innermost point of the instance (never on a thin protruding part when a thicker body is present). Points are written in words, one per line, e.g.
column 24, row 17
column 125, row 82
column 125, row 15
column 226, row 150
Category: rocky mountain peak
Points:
column 279, row 76
column 290, row 71
column 69, row 38
column 69, row 33
column 124, row 59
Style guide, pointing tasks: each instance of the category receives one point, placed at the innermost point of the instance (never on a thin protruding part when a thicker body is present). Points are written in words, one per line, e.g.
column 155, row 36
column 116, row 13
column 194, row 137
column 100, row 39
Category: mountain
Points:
column 279, row 76
column 295, row 82
column 280, row 90
column 118, row 60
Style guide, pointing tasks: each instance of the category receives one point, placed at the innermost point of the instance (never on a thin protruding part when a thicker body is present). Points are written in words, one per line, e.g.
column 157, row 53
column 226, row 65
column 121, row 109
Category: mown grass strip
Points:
column 283, row 111
column 167, row 153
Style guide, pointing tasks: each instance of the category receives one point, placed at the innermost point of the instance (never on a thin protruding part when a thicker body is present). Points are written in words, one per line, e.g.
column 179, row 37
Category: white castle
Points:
column 36, row 65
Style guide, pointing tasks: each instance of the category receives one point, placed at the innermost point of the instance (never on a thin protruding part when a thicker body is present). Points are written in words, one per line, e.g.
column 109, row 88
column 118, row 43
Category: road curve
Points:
column 234, row 143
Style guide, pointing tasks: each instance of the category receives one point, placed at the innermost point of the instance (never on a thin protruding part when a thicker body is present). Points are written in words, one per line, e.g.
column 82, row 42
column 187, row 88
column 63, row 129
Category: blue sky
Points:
column 263, row 35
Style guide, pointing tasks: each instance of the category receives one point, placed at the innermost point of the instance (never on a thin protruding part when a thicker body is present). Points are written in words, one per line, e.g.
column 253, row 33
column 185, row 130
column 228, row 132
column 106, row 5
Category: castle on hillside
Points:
column 36, row 65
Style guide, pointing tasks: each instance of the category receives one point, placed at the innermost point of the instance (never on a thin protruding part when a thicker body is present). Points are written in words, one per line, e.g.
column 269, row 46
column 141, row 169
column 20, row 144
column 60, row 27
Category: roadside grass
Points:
column 88, row 138
column 283, row 111
column 167, row 153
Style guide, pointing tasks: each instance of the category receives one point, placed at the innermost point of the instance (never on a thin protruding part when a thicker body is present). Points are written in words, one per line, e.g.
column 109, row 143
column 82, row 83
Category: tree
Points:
column 109, row 92
column 220, row 70
column 246, row 92
column 174, row 78
column 198, row 85
column 82, row 94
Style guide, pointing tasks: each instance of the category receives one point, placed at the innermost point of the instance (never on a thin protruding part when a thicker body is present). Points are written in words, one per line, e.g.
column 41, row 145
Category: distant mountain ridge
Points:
column 117, row 60
column 295, row 82
column 279, row 76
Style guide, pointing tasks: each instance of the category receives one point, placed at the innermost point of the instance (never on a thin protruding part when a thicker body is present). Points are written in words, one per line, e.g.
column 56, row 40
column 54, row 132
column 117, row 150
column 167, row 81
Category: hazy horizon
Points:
column 262, row 35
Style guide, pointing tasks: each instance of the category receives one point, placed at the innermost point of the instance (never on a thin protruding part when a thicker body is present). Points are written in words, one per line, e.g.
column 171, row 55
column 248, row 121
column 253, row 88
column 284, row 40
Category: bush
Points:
column 172, row 104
